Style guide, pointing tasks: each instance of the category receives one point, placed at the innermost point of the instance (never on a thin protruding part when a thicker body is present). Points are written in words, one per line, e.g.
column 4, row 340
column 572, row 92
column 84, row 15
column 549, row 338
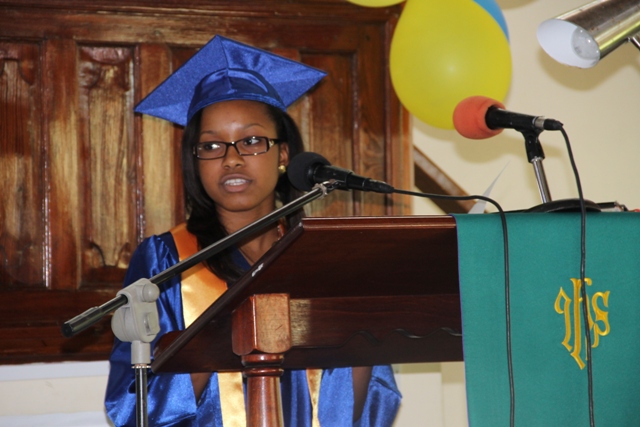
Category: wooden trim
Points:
column 431, row 179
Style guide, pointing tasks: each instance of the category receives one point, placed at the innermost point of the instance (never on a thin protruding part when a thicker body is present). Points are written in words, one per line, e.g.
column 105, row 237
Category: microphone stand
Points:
column 535, row 155
column 136, row 316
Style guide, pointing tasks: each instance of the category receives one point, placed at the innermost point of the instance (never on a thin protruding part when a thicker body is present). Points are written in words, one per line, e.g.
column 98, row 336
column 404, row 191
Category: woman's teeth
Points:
column 235, row 182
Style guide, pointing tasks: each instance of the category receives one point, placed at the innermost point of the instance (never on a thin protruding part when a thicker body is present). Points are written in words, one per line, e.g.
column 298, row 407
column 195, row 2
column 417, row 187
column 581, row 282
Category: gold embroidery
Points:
column 601, row 315
column 572, row 311
column 565, row 309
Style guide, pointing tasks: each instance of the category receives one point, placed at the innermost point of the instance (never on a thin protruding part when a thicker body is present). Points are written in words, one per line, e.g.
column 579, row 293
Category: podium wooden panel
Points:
column 359, row 291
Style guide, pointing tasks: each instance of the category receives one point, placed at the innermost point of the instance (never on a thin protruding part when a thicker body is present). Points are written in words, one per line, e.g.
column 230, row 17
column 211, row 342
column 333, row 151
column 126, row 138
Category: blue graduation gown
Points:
column 171, row 400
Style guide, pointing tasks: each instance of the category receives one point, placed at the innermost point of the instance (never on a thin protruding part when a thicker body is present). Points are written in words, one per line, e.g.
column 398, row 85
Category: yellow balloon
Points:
column 444, row 51
column 375, row 3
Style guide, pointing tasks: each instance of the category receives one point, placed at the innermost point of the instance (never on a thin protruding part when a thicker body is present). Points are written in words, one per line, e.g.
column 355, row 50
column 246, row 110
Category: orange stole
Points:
column 200, row 288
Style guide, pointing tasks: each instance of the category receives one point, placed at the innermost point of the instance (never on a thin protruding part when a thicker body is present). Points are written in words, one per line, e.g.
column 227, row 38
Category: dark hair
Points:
column 203, row 220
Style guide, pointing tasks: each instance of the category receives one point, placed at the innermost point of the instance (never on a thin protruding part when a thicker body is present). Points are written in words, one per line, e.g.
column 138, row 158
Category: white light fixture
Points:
column 585, row 35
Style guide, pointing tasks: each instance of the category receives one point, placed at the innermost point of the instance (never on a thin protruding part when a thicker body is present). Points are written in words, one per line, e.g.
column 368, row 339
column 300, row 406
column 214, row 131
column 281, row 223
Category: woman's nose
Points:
column 232, row 157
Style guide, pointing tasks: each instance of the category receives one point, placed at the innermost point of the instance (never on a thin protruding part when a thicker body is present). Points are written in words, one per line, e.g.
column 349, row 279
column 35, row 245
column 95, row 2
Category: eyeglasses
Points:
column 250, row 146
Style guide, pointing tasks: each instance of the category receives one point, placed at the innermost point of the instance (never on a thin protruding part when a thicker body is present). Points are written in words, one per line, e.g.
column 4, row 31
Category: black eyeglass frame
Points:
column 270, row 143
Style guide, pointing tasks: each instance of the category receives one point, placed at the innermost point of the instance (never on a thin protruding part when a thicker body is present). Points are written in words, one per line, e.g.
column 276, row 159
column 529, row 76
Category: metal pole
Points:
column 543, row 187
column 142, row 418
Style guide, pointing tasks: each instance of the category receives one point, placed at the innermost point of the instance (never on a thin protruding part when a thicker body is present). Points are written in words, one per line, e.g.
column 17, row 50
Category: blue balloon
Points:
column 494, row 10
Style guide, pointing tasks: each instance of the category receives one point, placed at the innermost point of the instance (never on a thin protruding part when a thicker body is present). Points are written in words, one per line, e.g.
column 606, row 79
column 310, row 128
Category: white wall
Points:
column 599, row 108
column 53, row 395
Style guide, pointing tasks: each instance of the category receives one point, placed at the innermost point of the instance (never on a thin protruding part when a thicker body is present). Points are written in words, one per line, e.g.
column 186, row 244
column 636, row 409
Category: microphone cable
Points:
column 583, row 284
column 507, row 283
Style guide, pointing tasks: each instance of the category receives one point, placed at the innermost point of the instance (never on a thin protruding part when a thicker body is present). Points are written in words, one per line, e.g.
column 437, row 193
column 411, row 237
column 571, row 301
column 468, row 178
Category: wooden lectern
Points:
column 333, row 292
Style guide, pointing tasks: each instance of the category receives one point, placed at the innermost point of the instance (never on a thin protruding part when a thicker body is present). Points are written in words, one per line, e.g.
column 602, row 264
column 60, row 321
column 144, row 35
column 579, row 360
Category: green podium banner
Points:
column 548, row 341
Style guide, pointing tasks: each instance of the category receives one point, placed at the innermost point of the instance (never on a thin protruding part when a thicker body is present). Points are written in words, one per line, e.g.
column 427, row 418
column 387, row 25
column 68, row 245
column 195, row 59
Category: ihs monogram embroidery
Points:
column 573, row 320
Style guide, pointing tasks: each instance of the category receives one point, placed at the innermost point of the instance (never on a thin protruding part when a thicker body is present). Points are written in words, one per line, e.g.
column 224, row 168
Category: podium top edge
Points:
column 420, row 221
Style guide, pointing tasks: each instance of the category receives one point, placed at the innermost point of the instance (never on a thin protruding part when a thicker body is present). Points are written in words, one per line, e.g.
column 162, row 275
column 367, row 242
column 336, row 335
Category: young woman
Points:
column 237, row 142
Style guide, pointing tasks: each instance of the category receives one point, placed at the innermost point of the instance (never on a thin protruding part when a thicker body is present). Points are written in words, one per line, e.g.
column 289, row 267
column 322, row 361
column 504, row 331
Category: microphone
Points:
column 307, row 169
column 479, row 117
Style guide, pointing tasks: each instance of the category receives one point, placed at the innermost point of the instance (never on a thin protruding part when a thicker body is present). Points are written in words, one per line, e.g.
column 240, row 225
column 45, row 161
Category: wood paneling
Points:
column 107, row 159
column 22, row 183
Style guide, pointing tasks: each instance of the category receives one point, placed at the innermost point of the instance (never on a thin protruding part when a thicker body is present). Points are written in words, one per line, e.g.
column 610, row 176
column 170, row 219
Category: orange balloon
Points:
column 445, row 51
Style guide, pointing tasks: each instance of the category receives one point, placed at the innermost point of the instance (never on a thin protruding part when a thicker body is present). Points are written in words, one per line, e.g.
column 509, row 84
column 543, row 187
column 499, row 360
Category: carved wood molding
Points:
column 431, row 179
column 328, row 10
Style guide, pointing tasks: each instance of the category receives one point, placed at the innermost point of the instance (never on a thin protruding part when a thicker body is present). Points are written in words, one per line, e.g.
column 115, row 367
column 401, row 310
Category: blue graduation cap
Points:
column 224, row 70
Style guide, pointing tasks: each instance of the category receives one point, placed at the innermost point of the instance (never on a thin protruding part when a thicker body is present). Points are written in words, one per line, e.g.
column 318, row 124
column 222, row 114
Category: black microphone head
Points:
column 301, row 167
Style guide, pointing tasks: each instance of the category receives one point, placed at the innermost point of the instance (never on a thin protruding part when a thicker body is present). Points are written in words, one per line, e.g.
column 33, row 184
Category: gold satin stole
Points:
column 199, row 289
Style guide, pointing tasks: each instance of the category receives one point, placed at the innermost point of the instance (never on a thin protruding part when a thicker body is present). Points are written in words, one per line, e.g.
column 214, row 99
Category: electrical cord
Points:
column 507, row 282
column 583, row 284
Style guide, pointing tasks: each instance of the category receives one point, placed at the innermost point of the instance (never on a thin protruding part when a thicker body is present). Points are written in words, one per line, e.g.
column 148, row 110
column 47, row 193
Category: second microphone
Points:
column 308, row 169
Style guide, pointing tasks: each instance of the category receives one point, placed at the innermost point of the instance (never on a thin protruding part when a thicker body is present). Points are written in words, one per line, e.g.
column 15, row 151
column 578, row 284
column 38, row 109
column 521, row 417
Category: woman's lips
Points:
column 235, row 184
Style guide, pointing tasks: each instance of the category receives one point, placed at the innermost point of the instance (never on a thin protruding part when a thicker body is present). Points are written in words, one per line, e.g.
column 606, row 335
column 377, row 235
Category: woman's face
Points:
column 240, row 183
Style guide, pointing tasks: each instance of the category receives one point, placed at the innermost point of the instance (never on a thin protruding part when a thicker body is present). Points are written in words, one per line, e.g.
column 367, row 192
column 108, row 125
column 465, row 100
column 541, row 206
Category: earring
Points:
column 282, row 169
